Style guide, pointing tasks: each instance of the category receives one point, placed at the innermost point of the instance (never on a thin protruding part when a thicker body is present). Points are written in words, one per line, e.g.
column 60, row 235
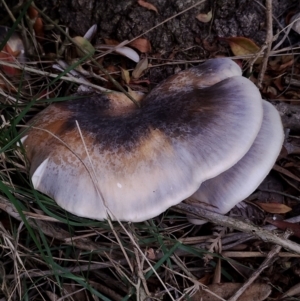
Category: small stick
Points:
column 268, row 43
column 230, row 222
column 245, row 254
column 271, row 258
column 53, row 75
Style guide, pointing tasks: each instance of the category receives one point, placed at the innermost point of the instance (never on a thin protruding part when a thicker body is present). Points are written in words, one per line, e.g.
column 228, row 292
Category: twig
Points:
column 290, row 293
column 66, row 78
column 271, row 258
column 75, row 269
column 281, row 193
column 8, row 11
column 268, row 43
column 146, row 259
column 140, row 273
column 238, row 225
column 106, row 290
column 286, row 30
column 245, row 254
column 231, row 241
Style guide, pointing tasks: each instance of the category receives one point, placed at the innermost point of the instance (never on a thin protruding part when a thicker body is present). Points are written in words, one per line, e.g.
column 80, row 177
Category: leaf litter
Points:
column 61, row 255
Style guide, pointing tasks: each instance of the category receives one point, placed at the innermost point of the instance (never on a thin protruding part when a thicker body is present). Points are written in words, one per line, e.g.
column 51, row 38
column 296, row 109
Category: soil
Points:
column 180, row 38
column 126, row 19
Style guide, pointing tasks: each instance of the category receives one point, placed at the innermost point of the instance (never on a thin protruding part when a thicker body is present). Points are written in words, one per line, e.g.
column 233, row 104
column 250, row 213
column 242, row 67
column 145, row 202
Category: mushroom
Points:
column 222, row 193
column 99, row 158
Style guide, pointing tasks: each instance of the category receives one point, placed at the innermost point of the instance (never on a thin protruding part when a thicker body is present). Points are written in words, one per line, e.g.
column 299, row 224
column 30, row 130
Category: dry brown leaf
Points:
column 125, row 75
column 285, row 172
column 281, row 63
column 52, row 296
column 112, row 69
column 211, row 47
column 141, row 44
column 139, row 81
column 147, row 5
column 256, row 292
column 274, row 207
column 205, row 18
column 287, row 58
column 38, row 25
column 151, row 254
column 111, row 42
column 206, row 279
column 8, row 55
column 141, row 66
column 271, row 92
column 241, row 45
column 286, row 225
column 278, row 83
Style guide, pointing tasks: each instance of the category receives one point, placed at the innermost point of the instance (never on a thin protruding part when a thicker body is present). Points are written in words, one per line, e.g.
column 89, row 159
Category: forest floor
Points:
column 50, row 254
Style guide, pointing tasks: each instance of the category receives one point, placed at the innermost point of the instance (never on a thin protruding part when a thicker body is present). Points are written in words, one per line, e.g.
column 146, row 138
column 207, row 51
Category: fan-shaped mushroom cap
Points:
column 133, row 165
column 222, row 193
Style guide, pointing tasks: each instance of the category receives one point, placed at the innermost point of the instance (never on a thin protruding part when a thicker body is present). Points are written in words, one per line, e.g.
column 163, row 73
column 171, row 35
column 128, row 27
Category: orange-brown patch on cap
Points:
column 147, row 150
column 119, row 104
column 43, row 132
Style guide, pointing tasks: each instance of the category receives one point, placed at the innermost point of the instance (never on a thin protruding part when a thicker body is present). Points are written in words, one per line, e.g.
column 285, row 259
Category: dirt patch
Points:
column 124, row 20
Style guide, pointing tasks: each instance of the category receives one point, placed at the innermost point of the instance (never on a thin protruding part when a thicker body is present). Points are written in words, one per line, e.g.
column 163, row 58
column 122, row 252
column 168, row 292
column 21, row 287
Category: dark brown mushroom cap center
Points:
column 192, row 114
